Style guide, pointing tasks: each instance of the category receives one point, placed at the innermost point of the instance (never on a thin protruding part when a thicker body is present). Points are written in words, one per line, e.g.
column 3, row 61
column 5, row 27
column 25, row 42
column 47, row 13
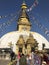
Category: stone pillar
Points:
column 28, row 48
column 23, row 49
column 17, row 49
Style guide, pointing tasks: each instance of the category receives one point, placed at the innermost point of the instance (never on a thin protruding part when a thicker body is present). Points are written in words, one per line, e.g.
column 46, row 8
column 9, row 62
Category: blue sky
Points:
column 40, row 12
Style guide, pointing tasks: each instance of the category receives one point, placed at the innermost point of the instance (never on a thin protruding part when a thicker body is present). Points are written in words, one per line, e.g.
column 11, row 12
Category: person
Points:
column 19, row 55
column 32, row 56
column 44, row 63
column 22, row 60
column 28, row 60
column 37, row 58
column 12, row 55
column 45, row 58
column 48, row 59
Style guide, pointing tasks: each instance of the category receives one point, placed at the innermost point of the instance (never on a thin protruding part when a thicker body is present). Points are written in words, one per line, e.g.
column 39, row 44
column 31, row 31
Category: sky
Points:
column 13, row 7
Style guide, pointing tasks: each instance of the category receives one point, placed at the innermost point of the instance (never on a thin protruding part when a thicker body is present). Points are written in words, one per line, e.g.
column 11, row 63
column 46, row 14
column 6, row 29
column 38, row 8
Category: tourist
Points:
column 12, row 55
column 32, row 57
column 28, row 60
column 18, row 55
column 37, row 58
column 44, row 63
column 22, row 60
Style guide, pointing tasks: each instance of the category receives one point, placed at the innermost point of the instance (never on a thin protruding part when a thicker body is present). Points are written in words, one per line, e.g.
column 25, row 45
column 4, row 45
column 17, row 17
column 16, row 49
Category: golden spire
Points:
column 23, row 20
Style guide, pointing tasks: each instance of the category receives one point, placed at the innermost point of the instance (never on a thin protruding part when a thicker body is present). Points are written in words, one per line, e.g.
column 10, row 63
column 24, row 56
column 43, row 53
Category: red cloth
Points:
column 19, row 55
column 47, row 62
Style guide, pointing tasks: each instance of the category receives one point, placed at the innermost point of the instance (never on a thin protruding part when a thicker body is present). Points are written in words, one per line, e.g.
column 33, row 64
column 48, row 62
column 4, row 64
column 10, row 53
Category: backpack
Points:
column 22, row 61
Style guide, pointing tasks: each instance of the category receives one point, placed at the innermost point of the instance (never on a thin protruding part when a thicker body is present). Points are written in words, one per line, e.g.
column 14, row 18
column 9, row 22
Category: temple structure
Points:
column 25, row 25
column 23, row 40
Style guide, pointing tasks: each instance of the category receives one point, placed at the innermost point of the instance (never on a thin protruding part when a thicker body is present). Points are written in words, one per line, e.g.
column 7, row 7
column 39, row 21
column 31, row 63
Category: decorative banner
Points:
column 6, row 16
column 6, row 24
column 46, row 19
column 9, row 22
column 9, row 15
column 46, row 31
column 34, row 5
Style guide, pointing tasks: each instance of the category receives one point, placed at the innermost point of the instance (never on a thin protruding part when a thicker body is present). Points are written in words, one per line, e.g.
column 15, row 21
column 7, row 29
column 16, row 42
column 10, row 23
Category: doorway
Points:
column 20, row 50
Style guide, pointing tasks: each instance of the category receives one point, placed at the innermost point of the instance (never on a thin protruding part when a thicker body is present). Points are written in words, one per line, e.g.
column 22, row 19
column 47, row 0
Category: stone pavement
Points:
column 4, row 62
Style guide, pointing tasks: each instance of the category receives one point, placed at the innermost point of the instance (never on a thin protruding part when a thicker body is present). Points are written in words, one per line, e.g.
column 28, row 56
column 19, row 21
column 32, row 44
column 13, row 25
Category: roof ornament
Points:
column 24, row 5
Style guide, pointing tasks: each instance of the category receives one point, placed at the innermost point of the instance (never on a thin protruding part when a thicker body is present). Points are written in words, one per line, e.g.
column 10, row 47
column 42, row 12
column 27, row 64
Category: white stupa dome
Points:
column 12, row 37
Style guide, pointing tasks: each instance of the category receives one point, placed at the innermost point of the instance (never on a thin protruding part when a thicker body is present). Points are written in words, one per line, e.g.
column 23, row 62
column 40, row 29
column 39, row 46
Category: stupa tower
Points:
column 23, row 20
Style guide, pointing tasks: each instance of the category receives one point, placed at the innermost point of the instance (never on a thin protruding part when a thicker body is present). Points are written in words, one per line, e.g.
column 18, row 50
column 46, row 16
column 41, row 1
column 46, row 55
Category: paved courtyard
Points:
column 4, row 62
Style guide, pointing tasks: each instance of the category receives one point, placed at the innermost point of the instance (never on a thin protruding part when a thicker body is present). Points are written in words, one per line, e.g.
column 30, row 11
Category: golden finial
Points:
column 23, row 5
